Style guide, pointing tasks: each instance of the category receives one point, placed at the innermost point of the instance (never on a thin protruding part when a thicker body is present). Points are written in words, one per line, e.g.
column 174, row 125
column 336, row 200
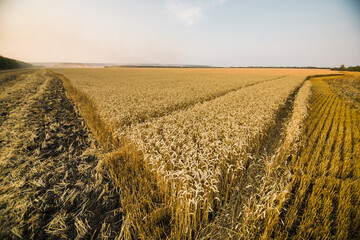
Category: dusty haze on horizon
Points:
column 207, row 32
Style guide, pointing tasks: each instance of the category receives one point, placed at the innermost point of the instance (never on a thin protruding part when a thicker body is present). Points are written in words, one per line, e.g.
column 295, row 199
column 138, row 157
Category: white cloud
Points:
column 190, row 12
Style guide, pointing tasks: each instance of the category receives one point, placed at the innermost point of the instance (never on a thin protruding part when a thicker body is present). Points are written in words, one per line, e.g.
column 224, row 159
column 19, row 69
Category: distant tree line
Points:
column 8, row 63
column 343, row 68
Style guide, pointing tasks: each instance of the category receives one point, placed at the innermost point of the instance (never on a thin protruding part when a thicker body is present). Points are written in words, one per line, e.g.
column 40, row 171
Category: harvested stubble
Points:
column 323, row 200
column 48, row 184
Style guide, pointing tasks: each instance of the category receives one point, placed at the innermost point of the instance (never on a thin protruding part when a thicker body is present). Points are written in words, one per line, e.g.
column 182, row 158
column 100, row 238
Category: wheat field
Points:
column 325, row 182
column 187, row 153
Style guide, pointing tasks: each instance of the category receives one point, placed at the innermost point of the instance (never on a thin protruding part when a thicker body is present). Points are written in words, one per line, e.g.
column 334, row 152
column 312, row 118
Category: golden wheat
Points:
column 195, row 130
column 324, row 200
column 126, row 96
column 188, row 149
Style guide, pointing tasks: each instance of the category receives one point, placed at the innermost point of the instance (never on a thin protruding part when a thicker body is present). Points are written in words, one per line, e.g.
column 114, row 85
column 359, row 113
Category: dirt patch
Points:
column 50, row 187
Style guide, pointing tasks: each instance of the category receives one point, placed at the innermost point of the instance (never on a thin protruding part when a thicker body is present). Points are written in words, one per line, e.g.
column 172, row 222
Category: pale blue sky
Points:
column 210, row 32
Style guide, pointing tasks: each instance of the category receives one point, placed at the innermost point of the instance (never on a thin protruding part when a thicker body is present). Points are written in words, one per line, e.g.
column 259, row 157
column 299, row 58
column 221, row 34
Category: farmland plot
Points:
column 200, row 147
column 193, row 149
column 323, row 199
column 127, row 96
column 193, row 154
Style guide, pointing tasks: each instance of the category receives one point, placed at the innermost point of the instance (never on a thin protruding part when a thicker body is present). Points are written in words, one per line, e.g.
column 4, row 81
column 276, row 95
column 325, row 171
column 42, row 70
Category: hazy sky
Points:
column 210, row 32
